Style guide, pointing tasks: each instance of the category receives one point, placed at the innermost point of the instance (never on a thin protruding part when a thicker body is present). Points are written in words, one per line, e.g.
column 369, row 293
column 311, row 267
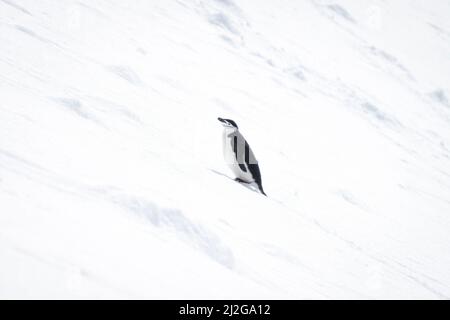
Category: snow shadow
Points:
column 73, row 105
column 341, row 11
column 222, row 21
column 393, row 61
column 127, row 74
column 440, row 97
column 16, row 6
column 187, row 230
column 376, row 113
column 31, row 33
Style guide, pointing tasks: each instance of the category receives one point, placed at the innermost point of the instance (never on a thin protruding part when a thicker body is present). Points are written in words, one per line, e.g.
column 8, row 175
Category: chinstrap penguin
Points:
column 239, row 156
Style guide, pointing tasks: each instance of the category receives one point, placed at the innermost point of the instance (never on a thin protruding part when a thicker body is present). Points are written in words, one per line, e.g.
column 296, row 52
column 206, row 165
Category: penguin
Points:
column 239, row 156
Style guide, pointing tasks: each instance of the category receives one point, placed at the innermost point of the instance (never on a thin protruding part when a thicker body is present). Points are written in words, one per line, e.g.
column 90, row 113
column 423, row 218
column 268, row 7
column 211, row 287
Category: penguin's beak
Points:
column 221, row 120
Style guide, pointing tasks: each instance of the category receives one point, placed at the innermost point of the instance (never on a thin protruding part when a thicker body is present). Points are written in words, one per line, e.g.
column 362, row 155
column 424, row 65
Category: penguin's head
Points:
column 228, row 123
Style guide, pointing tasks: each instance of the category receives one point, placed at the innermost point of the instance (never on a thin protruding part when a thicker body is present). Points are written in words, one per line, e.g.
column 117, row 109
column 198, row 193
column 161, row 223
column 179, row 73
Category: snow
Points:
column 112, row 181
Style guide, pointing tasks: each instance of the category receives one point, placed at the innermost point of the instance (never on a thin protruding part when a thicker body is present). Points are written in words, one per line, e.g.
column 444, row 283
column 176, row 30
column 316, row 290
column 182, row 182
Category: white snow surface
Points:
column 112, row 180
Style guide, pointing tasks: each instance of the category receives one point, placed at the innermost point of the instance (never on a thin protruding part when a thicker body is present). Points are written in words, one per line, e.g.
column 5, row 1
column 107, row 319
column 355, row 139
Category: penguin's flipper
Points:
column 238, row 153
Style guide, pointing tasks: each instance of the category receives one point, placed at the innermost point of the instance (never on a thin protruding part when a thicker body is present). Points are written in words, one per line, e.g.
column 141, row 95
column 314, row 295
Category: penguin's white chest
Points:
column 231, row 159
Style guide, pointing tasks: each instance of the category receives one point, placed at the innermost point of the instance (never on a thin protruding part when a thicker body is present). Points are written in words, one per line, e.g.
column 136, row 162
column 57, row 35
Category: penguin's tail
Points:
column 261, row 189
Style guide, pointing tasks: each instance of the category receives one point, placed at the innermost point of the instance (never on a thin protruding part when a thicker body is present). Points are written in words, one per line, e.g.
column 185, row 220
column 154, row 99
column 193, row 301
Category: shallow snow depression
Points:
column 112, row 181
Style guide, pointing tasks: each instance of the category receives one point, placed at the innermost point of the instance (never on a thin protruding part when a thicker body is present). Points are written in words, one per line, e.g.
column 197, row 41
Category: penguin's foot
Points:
column 241, row 181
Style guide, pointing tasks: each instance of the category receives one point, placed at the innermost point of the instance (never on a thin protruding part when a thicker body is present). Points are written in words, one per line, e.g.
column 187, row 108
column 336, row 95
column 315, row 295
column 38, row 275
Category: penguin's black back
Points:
column 254, row 169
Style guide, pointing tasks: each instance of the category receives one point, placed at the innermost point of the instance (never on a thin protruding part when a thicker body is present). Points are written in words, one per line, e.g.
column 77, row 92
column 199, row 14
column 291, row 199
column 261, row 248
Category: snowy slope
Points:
column 112, row 181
